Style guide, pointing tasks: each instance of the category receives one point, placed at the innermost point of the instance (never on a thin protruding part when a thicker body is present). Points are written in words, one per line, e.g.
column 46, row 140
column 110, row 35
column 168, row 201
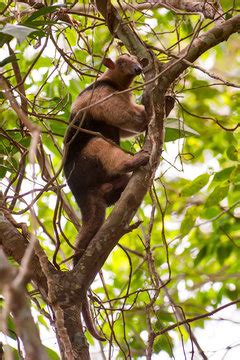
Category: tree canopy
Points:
column 165, row 262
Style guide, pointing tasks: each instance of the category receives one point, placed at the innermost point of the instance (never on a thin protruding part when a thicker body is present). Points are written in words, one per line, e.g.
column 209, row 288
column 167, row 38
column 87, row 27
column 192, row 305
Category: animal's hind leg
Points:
column 113, row 190
column 114, row 160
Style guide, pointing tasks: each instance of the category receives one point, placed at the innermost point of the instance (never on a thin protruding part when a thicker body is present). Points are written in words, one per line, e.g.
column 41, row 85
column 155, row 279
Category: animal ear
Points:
column 109, row 63
column 144, row 62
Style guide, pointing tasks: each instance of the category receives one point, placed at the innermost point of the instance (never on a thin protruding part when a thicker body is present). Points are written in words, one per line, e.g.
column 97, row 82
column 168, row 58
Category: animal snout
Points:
column 137, row 69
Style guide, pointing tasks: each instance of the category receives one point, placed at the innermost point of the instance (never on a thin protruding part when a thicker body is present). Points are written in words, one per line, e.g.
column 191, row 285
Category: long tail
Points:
column 86, row 313
column 93, row 215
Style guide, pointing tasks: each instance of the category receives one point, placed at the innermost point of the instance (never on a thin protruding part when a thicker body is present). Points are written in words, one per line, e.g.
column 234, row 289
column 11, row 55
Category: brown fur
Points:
column 121, row 112
column 115, row 160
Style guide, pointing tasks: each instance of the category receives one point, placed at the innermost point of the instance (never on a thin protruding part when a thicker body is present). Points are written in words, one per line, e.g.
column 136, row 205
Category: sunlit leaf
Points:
column 232, row 153
column 52, row 354
column 188, row 221
column 176, row 129
column 223, row 174
column 218, row 194
column 196, row 185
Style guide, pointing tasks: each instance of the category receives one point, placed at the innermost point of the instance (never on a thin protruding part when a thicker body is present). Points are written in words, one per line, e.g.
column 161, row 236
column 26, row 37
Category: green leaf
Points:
column 194, row 186
column 52, row 354
column 18, row 31
column 231, row 294
column 201, row 255
column 210, row 212
column 232, row 153
column 176, row 129
column 3, row 171
column 7, row 60
column 223, row 174
column 223, row 252
column 43, row 11
column 4, row 39
column 127, row 145
column 60, row 130
column 188, row 221
column 39, row 23
column 2, row 5
column 228, row 15
column 163, row 343
column 218, row 194
column 11, row 328
column 164, row 316
column 25, row 142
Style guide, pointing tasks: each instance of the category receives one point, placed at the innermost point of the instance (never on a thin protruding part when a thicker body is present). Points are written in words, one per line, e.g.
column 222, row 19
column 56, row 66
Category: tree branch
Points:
column 207, row 9
column 200, row 45
column 15, row 245
column 202, row 316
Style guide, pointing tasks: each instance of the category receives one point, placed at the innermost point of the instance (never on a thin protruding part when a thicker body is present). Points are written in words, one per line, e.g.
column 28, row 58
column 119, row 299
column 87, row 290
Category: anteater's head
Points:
column 123, row 70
